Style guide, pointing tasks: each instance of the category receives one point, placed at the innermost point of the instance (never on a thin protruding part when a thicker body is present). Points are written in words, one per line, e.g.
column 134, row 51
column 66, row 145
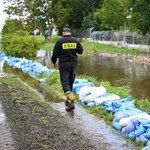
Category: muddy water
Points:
column 114, row 68
column 100, row 134
column 118, row 71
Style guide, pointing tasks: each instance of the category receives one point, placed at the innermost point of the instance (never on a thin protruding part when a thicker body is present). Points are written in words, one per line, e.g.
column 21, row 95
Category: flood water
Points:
column 114, row 68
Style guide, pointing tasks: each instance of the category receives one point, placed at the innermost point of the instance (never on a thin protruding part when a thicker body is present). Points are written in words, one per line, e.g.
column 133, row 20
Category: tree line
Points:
column 80, row 14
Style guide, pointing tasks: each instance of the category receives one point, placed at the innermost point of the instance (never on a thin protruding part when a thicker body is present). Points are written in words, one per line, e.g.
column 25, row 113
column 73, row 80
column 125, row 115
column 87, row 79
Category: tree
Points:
column 141, row 15
column 45, row 14
column 11, row 26
column 82, row 9
column 73, row 12
column 61, row 13
column 113, row 13
column 91, row 21
column 35, row 14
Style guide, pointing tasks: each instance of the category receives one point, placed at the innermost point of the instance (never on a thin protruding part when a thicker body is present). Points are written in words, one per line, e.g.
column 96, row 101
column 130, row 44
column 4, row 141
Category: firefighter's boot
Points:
column 70, row 101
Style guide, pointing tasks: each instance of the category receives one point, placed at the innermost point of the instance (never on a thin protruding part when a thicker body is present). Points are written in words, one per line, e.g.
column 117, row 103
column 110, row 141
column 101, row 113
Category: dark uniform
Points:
column 66, row 50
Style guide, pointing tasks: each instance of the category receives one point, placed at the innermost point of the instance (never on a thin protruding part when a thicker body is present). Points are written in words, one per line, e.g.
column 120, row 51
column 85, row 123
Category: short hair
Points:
column 66, row 30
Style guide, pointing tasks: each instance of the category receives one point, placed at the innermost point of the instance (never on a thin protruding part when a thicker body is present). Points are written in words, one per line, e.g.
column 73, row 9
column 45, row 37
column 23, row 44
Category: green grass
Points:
column 89, row 47
column 92, row 47
column 48, row 46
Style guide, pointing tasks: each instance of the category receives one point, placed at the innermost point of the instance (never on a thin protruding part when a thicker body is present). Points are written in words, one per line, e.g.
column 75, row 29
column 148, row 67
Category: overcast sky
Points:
column 3, row 15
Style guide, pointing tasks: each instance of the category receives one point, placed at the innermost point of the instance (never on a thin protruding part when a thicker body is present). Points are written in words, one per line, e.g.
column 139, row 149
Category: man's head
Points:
column 66, row 31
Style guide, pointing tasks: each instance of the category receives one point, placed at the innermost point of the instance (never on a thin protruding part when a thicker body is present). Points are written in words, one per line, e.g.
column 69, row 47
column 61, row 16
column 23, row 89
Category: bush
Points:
column 20, row 44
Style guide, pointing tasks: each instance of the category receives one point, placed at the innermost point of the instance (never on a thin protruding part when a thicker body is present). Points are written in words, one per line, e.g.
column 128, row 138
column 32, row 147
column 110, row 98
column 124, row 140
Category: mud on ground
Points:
column 34, row 124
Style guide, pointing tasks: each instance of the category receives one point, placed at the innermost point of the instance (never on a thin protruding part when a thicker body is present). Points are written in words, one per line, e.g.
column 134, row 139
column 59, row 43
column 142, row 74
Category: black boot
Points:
column 66, row 103
column 69, row 105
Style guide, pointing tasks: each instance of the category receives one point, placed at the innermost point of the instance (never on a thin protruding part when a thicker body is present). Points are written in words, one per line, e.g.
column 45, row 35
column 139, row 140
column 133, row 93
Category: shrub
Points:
column 20, row 44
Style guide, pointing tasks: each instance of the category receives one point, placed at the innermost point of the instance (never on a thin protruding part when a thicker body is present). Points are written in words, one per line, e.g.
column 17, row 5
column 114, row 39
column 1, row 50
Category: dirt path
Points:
column 6, row 139
column 97, row 131
column 33, row 124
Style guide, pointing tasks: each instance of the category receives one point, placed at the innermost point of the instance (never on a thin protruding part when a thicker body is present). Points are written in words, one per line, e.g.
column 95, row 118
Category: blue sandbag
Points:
column 117, row 126
column 124, row 132
column 91, row 104
column 127, row 99
column 120, row 115
column 2, row 55
column 146, row 148
column 147, row 125
column 132, row 135
column 78, row 86
column 140, row 130
column 127, row 112
column 144, row 121
column 141, row 138
column 148, row 143
column 148, row 130
column 83, row 102
column 107, row 103
column 126, row 105
column 130, row 127
column 147, row 135
column 80, row 81
column 135, row 122
column 116, row 104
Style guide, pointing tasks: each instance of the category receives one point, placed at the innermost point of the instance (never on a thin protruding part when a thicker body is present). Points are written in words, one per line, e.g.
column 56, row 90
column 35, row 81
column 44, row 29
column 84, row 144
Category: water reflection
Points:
column 116, row 69
column 44, row 58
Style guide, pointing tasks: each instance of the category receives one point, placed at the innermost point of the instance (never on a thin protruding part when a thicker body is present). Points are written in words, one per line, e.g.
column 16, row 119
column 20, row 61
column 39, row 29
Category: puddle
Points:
column 96, row 130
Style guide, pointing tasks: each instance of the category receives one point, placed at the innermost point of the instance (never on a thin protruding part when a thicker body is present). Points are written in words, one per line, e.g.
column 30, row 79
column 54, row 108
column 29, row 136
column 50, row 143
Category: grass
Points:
column 48, row 46
column 89, row 47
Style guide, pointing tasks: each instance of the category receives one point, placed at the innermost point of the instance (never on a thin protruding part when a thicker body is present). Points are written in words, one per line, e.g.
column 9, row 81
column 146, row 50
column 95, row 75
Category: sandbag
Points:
column 123, row 122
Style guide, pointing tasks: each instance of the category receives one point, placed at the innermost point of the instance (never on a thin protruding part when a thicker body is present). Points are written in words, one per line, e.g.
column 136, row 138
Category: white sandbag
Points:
column 85, row 90
column 89, row 98
column 124, row 121
column 112, row 97
column 94, row 93
column 97, row 91
column 91, row 92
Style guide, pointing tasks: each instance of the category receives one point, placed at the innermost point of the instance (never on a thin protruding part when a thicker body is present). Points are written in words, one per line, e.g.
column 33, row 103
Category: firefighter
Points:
column 66, row 50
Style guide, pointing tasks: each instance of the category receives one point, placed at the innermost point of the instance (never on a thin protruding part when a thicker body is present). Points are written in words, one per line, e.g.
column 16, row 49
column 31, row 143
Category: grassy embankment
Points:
column 89, row 47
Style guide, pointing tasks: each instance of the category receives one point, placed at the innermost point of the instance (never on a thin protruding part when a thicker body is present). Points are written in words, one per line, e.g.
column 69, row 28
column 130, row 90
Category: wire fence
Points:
column 121, row 36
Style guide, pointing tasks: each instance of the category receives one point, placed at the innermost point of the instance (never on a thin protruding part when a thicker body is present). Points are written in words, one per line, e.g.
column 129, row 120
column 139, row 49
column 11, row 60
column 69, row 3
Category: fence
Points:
column 122, row 38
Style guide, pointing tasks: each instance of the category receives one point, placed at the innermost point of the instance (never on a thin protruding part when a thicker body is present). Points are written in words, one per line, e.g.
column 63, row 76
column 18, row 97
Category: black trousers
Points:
column 67, row 75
